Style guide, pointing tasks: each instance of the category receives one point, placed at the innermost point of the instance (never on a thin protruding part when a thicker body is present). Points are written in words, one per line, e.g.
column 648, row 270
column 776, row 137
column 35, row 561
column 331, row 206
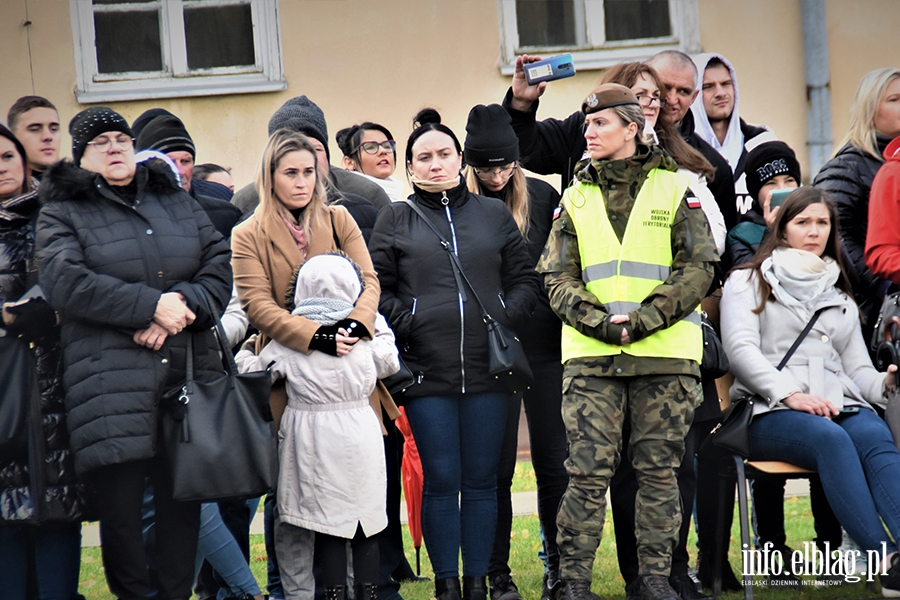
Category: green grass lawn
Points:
column 527, row 569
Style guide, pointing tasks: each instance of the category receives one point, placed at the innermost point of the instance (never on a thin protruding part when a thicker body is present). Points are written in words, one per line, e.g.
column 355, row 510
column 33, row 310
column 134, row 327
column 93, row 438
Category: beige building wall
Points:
column 383, row 61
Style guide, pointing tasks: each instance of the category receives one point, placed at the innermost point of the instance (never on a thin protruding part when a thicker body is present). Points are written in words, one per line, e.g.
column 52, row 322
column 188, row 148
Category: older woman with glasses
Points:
column 370, row 150
column 129, row 262
column 492, row 152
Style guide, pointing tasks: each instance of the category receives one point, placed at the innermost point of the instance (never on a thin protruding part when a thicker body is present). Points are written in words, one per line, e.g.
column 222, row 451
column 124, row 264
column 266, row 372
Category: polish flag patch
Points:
column 556, row 212
column 693, row 201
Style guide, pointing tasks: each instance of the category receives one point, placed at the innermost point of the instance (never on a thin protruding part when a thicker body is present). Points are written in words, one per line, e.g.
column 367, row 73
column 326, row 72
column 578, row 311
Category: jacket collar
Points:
column 456, row 196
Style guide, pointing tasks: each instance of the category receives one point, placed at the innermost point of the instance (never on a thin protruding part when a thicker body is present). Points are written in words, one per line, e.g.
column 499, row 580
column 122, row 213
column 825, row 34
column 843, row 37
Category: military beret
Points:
column 607, row 95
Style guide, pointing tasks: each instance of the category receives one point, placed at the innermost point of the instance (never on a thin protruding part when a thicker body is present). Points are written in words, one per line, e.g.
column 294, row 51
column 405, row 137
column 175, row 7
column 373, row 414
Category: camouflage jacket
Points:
column 693, row 252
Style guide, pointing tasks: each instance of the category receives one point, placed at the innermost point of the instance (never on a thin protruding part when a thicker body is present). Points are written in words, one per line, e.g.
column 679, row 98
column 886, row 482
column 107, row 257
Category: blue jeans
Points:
column 217, row 545
column 857, row 463
column 57, row 559
column 459, row 438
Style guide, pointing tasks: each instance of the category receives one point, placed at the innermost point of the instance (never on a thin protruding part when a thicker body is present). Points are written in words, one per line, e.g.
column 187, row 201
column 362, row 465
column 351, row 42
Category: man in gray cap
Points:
column 304, row 116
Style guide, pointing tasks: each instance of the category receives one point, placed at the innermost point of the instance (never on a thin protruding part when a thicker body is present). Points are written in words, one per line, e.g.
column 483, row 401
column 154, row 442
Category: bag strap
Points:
column 800, row 338
column 454, row 259
column 227, row 357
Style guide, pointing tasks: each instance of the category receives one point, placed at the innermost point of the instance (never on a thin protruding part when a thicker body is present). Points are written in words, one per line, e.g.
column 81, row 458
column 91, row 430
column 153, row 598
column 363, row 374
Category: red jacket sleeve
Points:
column 883, row 236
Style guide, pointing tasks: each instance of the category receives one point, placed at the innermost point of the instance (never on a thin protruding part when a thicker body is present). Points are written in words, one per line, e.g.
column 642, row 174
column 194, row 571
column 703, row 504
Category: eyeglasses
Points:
column 374, row 147
column 104, row 144
column 488, row 174
column 645, row 100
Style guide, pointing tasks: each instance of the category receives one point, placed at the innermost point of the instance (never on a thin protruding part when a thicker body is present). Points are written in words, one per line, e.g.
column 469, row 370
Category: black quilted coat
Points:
column 49, row 492
column 848, row 178
column 103, row 264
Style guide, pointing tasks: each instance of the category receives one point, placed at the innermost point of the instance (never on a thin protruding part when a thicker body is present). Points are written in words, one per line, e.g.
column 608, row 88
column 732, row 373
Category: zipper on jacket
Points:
column 414, row 302
column 462, row 319
column 502, row 303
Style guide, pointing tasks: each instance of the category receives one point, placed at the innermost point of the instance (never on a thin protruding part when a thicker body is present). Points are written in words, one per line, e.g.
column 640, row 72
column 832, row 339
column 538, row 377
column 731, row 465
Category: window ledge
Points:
column 151, row 89
column 592, row 60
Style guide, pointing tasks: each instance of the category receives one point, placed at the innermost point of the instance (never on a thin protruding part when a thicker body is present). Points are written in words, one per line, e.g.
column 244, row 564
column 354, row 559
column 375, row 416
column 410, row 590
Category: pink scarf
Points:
column 296, row 231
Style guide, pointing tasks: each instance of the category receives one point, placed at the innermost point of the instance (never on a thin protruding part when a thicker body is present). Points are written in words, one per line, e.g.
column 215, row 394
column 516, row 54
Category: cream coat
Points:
column 831, row 362
column 331, row 455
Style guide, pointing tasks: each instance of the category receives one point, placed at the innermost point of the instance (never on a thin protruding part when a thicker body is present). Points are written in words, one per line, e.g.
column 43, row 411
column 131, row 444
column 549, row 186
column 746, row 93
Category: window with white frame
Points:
column 598, row 33
column 142, row 49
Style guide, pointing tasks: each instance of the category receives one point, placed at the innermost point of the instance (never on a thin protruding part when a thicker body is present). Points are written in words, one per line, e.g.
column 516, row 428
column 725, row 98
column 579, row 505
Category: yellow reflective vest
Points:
column 622, row 274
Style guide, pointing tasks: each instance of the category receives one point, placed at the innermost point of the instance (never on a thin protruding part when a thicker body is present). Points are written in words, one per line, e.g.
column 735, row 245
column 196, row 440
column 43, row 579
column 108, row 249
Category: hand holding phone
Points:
column 549, row 69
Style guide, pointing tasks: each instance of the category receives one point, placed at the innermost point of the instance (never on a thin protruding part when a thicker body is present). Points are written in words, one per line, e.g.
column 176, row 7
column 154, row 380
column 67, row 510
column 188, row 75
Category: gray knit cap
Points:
column 303, row 115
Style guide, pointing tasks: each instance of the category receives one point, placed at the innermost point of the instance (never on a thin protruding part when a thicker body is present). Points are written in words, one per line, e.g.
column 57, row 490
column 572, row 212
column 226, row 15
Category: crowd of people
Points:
column 117, row 263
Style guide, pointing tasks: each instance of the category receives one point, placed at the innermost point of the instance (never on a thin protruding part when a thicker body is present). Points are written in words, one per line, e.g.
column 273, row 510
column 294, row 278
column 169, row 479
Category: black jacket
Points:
column 55, row 494
column 445, row 344
column 848, row 178
column 542, row 335
column 211, row 189
column 722, row 185
column 103, row 264
column 223, row 214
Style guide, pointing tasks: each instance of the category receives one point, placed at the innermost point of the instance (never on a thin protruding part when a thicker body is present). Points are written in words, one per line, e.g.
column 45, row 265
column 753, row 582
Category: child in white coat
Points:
column 332, row 477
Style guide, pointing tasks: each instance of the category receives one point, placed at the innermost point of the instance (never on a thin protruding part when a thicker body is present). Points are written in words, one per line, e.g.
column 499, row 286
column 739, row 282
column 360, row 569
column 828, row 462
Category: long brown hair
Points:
column 670, row 140
column 793, row 205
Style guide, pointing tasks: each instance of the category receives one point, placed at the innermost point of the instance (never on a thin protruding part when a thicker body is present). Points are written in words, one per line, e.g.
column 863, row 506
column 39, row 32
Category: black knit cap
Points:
column 166, row 133
column 490, row 138
column 607, row 95
column 90, row 123
column 769, row 160
column 137, row 126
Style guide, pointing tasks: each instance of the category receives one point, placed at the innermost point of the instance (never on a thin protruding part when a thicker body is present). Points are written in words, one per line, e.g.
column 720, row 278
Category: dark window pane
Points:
column 636, row 19
column 127, row 41
column 219, row 36
column 546, row 22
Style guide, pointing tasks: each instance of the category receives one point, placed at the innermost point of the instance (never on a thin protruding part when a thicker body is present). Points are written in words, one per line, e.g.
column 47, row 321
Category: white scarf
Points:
column 800, row 280
column 392, row 187
column 733, row 146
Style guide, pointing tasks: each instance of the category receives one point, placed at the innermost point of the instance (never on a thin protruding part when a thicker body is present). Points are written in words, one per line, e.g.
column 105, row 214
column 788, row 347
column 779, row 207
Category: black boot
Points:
column 366, row 591
column 447, row 589
column 336, row 593
column 474, row 588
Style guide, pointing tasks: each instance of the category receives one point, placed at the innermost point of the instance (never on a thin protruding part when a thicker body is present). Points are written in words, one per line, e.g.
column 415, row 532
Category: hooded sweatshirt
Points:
column 740, row 139
column 882, row 238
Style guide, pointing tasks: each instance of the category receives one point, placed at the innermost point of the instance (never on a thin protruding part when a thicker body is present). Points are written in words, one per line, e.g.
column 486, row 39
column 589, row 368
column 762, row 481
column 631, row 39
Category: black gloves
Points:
column 34, row 320
column 324, row 340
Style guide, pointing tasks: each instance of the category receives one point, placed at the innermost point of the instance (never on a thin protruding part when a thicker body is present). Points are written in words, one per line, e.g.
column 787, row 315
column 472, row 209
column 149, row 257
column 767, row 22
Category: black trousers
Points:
column 549, row 449
column 120, row 492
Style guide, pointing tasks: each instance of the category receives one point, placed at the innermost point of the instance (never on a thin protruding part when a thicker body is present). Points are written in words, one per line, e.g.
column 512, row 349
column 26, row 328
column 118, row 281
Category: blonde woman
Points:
column 492, row 169
column 874, row 122
column 291, row 225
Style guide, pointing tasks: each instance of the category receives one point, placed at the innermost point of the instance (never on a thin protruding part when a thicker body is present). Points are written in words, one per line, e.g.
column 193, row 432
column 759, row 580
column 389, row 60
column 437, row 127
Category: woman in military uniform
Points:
column 629, row 257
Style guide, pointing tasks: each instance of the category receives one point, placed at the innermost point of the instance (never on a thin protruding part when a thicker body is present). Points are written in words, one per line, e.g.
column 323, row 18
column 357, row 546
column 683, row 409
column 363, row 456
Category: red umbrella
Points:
column 411, row 470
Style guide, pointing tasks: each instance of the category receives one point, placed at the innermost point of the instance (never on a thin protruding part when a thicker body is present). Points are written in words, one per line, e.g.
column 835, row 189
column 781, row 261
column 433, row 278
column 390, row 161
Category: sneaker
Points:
column 890, row 583
column 857, row 566
column 686, row 589
column 552, row 588
column 656, row 587
column 503, row 588
column 578, row 589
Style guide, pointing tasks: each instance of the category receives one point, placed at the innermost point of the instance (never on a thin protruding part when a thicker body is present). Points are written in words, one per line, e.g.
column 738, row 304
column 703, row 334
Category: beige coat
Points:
column 264, row 257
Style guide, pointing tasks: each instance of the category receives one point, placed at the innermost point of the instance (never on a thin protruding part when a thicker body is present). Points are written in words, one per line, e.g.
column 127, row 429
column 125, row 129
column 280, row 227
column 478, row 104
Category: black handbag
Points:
column 733, row 433
column 399, row 381
column 219, row 435
column 506, row 357
column 715, row 362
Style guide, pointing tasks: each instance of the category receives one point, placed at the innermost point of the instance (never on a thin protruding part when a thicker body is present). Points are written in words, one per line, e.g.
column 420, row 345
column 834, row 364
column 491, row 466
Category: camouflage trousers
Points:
column 661, row 408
